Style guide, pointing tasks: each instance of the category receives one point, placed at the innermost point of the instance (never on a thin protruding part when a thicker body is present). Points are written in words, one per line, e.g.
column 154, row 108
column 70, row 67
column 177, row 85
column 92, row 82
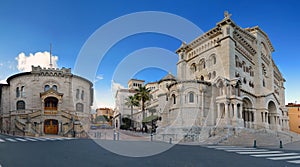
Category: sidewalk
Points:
column 292, row 146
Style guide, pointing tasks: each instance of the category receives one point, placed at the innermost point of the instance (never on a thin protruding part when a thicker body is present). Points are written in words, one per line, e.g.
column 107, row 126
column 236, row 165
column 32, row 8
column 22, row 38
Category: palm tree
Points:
column 132, row 101
column 143, row 95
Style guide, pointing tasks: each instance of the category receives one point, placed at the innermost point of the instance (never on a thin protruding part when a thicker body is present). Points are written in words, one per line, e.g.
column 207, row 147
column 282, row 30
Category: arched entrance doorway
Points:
column 51, row 126
column 272, row 113
column 248, row 115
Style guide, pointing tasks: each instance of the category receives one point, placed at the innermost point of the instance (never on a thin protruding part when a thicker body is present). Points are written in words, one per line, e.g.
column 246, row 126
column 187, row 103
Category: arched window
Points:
column 202, row 64
column 50, row 103
column 77, row 93
column 79, row 107
column 237, row 61
column 191, row 97
column 20, row 105
column 202, row 78
column 22, row 91
column 193, row 67
column 214, row 74
column 264, row 70
column 17, row 92
column 46, row 88
column 54, row 87
column 209, row 76
column 174, row 98
column 213, row 59
column 82, row 94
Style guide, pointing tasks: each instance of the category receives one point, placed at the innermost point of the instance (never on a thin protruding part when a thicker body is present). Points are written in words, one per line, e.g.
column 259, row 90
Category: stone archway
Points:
column 272, row 114
column 247, row 114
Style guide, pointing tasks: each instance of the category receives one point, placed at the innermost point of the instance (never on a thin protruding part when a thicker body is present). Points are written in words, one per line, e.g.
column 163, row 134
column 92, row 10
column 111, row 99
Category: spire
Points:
column 50, row 55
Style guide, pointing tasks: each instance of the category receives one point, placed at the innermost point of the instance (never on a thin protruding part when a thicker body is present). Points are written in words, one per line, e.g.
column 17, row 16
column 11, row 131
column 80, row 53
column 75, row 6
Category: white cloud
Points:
column 105, row 97
column 99, row 77
column 115, row 86
column 37, row 59
column 3, row 81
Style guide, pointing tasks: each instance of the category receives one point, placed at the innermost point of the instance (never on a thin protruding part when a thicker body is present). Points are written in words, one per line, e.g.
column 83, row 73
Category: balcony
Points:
column 50, row 110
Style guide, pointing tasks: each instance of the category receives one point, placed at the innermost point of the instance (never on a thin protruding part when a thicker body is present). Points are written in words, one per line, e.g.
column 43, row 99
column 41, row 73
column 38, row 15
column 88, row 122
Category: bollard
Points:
column 170, row 142
column 95, row 135
column 114, row 135
column 118, row 135
column 280, row 144
column 254, row 144
column 151, row 137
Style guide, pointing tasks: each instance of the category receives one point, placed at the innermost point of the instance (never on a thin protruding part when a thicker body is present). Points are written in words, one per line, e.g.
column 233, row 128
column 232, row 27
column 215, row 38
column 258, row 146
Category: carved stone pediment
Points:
column 51, row 93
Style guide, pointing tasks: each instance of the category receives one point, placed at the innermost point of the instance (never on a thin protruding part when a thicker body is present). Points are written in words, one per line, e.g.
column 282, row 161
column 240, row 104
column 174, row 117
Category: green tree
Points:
column 143, row 95
column 132, row 101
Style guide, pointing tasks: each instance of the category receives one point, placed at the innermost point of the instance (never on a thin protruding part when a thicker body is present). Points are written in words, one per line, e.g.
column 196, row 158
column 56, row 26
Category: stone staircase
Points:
column 246, row 137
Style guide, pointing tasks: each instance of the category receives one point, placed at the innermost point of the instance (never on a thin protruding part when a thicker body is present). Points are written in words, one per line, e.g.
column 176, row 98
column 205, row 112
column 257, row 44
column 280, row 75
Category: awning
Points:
column 150, row 118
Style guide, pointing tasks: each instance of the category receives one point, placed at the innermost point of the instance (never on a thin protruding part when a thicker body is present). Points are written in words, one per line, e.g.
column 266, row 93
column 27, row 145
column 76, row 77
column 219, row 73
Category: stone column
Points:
column 241, row 111
column 218, row 107
column 226, row 113
column 42, row 128
column 202, row 105
column 235, row 111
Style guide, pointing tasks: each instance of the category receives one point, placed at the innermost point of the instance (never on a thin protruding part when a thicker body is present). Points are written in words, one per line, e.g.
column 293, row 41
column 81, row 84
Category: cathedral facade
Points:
column 226, row 78
column 45, row 101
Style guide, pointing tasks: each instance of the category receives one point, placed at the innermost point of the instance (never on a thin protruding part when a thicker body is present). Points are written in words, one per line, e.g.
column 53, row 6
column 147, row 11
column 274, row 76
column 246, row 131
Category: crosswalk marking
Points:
column 237, row 148
column 40, row 139
column 221, row 147
column 245, row 150
column 295, row 162
column 68, row 138
column 19, row 139
column 30, row 139
column 275, row 155
column 260, row 152
column 284, row 158
column 11, row 140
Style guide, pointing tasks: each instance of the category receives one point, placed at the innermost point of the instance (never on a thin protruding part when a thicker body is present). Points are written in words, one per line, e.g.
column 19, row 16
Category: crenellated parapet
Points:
column 63, row 72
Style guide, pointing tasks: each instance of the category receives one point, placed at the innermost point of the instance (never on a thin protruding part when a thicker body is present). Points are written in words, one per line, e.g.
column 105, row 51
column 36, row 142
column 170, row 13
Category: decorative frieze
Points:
column 244, row 43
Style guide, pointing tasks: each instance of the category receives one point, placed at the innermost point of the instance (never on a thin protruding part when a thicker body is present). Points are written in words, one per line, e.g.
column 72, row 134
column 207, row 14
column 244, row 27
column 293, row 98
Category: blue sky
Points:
column 30, row 26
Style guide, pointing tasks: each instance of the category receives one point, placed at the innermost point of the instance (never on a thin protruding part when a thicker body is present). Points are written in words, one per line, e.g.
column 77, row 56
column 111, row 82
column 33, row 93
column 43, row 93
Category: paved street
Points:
column 85, row 152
